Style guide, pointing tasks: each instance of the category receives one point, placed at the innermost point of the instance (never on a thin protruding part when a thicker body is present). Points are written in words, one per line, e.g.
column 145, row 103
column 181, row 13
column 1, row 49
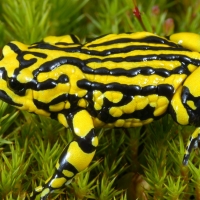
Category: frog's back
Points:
column 131, row 78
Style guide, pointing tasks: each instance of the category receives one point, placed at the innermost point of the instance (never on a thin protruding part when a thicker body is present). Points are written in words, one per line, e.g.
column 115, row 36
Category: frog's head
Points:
column 17, row 76
column 26, row 81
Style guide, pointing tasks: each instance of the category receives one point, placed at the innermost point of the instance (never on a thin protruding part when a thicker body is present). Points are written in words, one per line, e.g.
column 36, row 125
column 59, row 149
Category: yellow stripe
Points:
column 140, row 80
column 131, row 65
column 181, row 113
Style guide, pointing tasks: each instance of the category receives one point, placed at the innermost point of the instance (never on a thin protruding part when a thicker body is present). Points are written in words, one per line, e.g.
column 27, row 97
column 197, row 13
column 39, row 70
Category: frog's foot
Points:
column 36, row 191
column 51, row 184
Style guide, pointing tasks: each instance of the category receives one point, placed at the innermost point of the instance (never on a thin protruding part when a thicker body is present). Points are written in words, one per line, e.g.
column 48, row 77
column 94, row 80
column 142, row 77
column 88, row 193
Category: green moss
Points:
column 129, row 163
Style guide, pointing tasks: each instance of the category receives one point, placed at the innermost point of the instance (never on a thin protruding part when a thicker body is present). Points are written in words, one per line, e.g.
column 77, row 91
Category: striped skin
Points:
column 124, row 80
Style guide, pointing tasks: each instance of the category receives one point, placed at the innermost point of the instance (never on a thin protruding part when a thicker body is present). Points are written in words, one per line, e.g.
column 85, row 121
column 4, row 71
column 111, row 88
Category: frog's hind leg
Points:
column 192, row 144
column 62, row 176
column 75, row 157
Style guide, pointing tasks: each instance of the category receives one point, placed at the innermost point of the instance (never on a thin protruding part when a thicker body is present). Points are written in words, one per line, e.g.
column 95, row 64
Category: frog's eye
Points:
column 16, row 86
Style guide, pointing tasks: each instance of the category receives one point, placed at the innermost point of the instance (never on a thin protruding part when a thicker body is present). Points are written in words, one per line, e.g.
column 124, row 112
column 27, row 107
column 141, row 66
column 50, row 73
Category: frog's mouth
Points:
column 7, row 99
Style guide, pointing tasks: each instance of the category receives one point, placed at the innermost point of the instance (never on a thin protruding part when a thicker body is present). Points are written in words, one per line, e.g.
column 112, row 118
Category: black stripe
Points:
column 148, row 39
column 16, row 49
column 51, row 83
column 41, row 105
column 128, row 49
column 132, row 90
column 143, row 114
column 85, row 143
column 44, row 85
column 143, row 70
column 88, row 51
column 75, row 39
column 48, row 84
column 148, row 90
column 53, row 64
column 70, row 49
column 58, row 99
column 45, row 106
column 7, row 99
column 165, row 90
column 148, row 57
column 194, row 115
column 61, row 98
column 68, row 166
column 125, row 89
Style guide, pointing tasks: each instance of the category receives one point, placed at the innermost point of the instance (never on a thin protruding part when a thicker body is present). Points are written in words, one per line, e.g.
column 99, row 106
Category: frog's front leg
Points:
column 76, row 156
column 192, row 143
